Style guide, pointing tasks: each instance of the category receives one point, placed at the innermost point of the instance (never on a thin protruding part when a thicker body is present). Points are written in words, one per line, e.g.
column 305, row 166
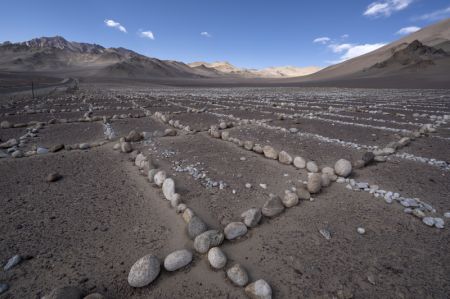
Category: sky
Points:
column 247, row 33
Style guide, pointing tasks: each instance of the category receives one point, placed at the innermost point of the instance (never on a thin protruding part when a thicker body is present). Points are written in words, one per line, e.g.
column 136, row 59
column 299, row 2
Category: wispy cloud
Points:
column 349, row 51
column 147, row 34
column 344, row 36
column 321, row 40
column 408, row 30
column 435, row 15
column 114, row 24
column 386, row 8
column 205, row 34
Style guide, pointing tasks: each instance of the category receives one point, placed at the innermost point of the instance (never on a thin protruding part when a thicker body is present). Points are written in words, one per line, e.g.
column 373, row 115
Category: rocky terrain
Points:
column 153, row 192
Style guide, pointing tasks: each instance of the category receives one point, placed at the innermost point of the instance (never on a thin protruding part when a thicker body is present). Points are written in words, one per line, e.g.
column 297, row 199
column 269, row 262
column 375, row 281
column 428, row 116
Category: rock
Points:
column 361, row 230
column 251, row 217
column 53, row 177
column 144, row 271
column 248, row 145
column 325, row 233
column 358, row 164
column 270, row 152
column 116, row 146
column 10, row 143
column 439, row 222
column 168, row 188
column 3, row 288
column 151, row 175
column 140, row 160
column 368, row 157
column 311, row 166
column 208, row 239
column 428, row 221
column 125, row 147
column 17, row 154
column 259, row 289
column 5, row 124
column 217, row 258
column 170, row 132
column 175, row 200
column 303, row 194
column 299, row 162
column 238, row 275
column 326, row 181
column 133, row 136
column 64, row 293
column 84, row 146
column 41, row 151
column 159, row 178
column 273, row 206
column 284, row 158
column 195, row 227
column 177, row 259
column 290, row 199
column 314, row 183
column 235, row 230
column 14, row 261
column 225, row 135
column 95, row 296
column 187, row 215
column 380, row 159
column 258, row 149
column 56, row 148
column 343, row 168
column 418, row 213
column 181, row 208
column 330, row 172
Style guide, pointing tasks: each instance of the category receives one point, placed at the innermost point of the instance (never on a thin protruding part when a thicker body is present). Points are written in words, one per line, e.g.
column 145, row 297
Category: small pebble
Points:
column 361, row 230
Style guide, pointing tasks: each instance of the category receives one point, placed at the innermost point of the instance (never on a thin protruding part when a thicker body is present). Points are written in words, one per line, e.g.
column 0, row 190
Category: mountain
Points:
column 422, row 54
column 271, row 72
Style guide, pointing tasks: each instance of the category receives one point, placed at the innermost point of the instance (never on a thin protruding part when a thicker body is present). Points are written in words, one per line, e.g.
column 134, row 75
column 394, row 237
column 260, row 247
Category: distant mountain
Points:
column 271, row 72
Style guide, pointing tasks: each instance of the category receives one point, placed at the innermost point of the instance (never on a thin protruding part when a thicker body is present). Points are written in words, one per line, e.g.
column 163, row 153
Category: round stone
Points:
column 217, row 258
column 208, row 239
column 238, row 275
column 284, row 158
column 343, row 168
column 314, row 183
column 311, row 166
column 144, row 271
column 159, row 178
column 251, row 217
column 273, row 206
column 361, row 230
column 290, row 199
column 303, row 194
column 270, row 152
column 168, row 188
column 195, row 227
column 299, row 162
column 235, row 230
column 259, row 289
column 177, row 259
column 125, row 147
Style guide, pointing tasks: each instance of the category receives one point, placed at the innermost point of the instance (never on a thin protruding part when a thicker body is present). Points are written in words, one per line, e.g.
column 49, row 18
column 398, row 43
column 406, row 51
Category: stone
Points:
column 95, row 296
column 181, row 208
column 311, row 166
column 195, row 227
column 225, row 135
column 208, row 239
column 270, row 152
column 325, row 233
column 284, row 158
column 84, row 146
column 217, row 258
column 259, row 289
column 258, row 149
column 368, row 157
column 251, row 217
column 299, row 162
column 326, row 181
column 125, row 147
column 177, row 260
column 290, row 199
column 428, row 221
column 238, row 275
column 5, row 124
column 168, row 188
column 418, row 213
column 56, row 148
column 12, row 262
column 68, row 292
column 314, row 183
column 358, row 164
column 41, row 150
column 235, row 230
column 248, row 145
column 439, row 222
column 53, row 177
column 133, row 136
column 3, row 288
column 159, row 178
column 273, row 206
column 170, row 132
column 140, row 160
column 144, row 271
column 10, row 143
column 343, row 168
column 17, row 154
column 303, row 194
column 361, row 230
column 151, row 175
column 380, row 159
column 187, row 215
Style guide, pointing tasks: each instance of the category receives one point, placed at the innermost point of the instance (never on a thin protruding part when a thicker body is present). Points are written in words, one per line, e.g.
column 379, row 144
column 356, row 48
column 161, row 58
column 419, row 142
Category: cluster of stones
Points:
column 206, row 241
column 174, row 123
column 200, row 175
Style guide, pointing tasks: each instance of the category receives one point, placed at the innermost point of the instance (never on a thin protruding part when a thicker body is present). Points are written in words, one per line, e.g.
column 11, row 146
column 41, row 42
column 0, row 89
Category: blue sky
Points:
column 247, row 33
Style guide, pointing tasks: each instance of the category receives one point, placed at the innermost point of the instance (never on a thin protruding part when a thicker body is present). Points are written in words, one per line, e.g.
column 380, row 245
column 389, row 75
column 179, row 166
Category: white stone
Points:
column 217, row 258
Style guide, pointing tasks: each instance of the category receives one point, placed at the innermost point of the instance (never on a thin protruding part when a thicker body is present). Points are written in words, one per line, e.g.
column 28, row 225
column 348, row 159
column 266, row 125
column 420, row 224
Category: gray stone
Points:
column 343, row 168
column 248, row 145
column 251, row 217
column 53, row 177
column 10, row 143
column 238, row 275
column 195, row 227
column 303, row 194
column 235, row 230
column 325, row 233
column 177, row 259
column 56, row 148
column 290, row 199
column 151, row 175
column 170, row 132
column 314, row 183
column 14, row 261
column 144, row 271
column 439, row 222
column 64, row 293
column 259, row 289
column 284, row 158
column 428, row 221
column 125, row 147
column 41, row 151
column 187, row 214
column 208, row 239
column 299, row 162
column 133, row 136
column 159, row 178
column 273, row 206
column 326, row 181
column 3, row 288
column 270, row 152
column 368, row 157
column 168, row 188
column 17, row 154
column 84, row 146
column 217, row 258
column 311, row 166
column 5, row 124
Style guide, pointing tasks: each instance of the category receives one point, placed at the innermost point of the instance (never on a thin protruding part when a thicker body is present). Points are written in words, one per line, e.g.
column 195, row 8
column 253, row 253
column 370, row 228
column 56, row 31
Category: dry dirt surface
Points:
column 82, row 202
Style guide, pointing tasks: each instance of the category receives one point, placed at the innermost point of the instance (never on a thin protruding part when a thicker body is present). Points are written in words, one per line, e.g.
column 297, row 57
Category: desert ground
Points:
column 156, row 192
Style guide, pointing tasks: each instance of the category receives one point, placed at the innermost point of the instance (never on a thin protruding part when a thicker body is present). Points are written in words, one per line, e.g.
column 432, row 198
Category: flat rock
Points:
column 177, row 259
column 168, row 188
column 144, row 271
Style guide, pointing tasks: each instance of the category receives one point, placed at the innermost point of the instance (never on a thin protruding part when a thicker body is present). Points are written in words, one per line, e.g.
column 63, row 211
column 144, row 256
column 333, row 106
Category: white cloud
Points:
column 408, row 30
column 350, row 51
column 205, row 34
column 114, row 24
column 435, row 15
column 386, row 7
column 322, row 40
column 147, row 34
